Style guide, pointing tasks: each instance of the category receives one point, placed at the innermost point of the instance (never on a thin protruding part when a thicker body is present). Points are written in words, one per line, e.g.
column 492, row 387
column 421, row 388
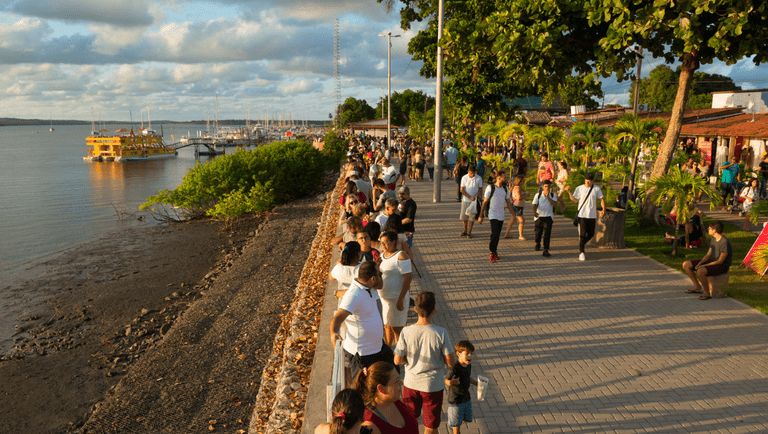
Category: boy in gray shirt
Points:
column 424, row 349
column 717, row 261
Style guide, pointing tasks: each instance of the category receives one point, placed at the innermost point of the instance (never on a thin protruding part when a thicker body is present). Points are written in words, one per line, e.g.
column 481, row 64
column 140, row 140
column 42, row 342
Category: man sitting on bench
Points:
column 717, row 261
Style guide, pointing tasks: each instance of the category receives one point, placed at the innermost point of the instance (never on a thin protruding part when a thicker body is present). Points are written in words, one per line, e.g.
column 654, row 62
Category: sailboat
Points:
column 51, row 125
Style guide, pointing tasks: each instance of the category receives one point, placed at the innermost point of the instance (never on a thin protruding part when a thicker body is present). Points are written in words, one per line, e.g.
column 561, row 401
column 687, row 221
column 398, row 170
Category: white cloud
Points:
column 110, row 39
column 24, row 34
column 303, row 86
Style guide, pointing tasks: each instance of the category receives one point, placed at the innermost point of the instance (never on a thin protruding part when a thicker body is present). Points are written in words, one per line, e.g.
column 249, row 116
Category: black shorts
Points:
column 356, row 362
column 712, row 270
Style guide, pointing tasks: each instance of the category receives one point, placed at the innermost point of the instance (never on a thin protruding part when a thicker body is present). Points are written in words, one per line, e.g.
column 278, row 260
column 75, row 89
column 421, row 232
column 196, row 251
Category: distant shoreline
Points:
column 14, row 122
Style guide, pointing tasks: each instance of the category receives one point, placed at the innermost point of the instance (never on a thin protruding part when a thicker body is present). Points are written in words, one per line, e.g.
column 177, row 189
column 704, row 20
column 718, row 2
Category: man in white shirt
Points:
column 471, row 183
column 543, row 206
column 586, row 197
column 364, row 341
column 496, row 197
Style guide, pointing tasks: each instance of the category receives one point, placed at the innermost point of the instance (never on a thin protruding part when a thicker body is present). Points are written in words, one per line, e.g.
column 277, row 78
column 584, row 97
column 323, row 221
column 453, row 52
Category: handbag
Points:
column 576, row 220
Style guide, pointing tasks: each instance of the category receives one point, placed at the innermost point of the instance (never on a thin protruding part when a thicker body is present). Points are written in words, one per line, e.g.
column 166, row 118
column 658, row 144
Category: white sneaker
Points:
column 582, row 256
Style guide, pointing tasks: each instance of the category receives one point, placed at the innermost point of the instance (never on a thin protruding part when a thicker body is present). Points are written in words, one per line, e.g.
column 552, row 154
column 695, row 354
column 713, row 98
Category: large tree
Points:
column 535, row 44
column 405, row 103
column 660, row 87
column 355, row 110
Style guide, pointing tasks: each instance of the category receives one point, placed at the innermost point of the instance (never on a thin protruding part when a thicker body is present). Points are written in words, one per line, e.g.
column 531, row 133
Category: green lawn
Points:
column 744, row 284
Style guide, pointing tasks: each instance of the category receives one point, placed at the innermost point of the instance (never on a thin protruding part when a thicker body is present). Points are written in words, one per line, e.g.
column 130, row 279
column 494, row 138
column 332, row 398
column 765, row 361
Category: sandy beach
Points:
column 157, row 329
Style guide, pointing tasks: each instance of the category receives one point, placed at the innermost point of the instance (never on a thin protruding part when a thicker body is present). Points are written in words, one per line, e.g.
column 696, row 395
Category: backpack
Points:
column 493, row 190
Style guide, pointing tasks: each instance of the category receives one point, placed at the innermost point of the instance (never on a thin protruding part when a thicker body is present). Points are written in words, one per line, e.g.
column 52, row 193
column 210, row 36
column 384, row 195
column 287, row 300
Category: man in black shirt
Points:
column 763, row 177
column 407, row 210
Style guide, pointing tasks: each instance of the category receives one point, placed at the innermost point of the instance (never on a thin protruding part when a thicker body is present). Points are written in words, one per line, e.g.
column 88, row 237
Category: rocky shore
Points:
column 166, row 329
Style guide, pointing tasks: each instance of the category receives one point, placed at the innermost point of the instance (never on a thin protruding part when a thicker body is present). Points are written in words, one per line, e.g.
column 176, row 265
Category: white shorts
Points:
column 393, row 317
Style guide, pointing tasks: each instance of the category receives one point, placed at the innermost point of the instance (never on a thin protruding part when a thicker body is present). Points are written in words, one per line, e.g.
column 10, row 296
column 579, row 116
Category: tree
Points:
column 405, row 103
column 355, row 110
column 492, row 130
column 576, row 90
column 548, row 136
column 639, row 131
column 682, row 188
column 660, row 87
column 588, row 133
column 536, row 44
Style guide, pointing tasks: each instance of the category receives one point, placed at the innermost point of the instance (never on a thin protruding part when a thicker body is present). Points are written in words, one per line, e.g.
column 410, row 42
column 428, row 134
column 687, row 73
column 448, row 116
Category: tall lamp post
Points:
column 438, row 108
column 389, row 37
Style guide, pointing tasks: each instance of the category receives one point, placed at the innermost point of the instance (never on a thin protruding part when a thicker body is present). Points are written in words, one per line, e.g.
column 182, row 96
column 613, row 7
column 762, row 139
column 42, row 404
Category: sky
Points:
column 84, row 59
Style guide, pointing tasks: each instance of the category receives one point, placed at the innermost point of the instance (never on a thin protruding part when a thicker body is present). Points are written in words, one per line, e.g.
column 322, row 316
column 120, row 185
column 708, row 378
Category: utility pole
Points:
column 438, row 109
column 389, row 37
column 639, row 53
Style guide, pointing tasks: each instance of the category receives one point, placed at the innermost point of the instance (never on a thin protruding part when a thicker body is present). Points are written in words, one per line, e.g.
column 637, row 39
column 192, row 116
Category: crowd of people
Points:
column 374, row 274
column 376, row 269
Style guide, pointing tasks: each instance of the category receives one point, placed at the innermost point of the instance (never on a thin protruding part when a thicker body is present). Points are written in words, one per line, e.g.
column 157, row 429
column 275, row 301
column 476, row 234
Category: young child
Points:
column 424, row 348
column 457, row 380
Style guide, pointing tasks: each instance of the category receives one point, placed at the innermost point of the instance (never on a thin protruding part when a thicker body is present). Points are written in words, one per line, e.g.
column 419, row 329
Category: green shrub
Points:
column 334, row 150
column 245, row 181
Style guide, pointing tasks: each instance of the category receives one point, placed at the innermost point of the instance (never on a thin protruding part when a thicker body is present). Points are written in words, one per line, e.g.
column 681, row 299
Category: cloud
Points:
column 303, row 86
column 120, row 13
column 23, row 35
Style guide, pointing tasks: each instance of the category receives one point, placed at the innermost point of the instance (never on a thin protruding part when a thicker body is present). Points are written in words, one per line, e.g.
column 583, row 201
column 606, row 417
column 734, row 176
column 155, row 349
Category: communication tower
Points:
column 337, row 73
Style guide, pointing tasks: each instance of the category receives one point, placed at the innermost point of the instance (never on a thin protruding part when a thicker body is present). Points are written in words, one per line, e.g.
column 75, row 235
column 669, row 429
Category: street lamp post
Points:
column 389, row 37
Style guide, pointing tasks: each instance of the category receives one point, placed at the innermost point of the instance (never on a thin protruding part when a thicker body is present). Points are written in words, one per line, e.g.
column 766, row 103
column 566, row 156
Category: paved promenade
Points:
column 608, row 345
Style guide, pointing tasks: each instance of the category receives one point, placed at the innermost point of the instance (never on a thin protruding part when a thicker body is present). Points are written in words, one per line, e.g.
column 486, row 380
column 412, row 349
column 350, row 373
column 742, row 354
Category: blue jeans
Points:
column 762, row 187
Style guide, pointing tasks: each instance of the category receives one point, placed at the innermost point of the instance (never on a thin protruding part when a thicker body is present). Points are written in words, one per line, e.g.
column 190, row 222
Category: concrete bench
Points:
column 718, row 285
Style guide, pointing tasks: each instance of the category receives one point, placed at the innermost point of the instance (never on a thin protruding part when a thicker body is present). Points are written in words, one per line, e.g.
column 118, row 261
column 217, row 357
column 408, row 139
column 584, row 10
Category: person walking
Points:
column 471, row 184
column 728, row 180
column 496, row 198
column 586, row 196
column 543, row 212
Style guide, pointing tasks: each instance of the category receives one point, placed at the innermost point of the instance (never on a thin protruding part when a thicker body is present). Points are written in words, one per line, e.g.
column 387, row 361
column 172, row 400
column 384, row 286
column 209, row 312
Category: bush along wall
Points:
column 243, row 182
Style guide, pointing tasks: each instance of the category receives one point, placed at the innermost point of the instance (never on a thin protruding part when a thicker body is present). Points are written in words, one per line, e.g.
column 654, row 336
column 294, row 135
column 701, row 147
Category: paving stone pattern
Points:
column 608, row 345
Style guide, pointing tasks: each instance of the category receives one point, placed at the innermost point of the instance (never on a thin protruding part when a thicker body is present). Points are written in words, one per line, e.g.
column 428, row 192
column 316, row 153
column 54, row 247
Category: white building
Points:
column 756, row 99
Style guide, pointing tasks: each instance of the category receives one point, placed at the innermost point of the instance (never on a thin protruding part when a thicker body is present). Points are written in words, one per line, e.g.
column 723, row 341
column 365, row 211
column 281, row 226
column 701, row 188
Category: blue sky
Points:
column 65, row 58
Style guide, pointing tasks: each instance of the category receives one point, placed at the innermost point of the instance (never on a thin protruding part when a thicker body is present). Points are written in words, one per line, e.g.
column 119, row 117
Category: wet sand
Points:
column 154, row 329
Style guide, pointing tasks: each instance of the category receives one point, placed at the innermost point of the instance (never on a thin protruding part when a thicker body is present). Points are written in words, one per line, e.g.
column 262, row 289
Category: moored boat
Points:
column 127, row 146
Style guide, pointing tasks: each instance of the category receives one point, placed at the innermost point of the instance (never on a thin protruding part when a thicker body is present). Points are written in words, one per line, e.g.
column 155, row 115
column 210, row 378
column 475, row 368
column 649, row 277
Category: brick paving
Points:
column 612, row 344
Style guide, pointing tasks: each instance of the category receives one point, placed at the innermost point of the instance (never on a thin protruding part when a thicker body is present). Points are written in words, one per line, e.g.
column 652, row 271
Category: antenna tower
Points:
column 337, row 73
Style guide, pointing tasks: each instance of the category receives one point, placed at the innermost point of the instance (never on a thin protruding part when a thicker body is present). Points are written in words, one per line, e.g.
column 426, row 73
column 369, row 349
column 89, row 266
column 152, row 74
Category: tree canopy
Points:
column 355, row 110
column 533, row 46
column 405, row 103
column 660, row 87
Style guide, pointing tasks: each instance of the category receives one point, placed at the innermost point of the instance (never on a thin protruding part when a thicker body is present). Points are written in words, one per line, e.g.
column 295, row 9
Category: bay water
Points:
column 52, row 201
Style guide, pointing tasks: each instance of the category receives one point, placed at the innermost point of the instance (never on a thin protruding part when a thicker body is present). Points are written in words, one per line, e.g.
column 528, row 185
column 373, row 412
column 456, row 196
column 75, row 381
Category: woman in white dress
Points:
column 562, row 177
column 395, row 293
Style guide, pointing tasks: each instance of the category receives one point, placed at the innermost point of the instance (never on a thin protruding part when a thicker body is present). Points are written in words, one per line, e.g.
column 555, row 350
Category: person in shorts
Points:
column 471, row 185
column 457, row 382
column 424, row 348
column 717, row 261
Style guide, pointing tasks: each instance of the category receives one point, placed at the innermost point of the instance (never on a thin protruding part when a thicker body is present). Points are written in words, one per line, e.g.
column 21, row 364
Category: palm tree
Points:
column 516, row 131
column 631, row 128
column 683, row 188
column 589, row 133
column 492, row 130
column 548, row 136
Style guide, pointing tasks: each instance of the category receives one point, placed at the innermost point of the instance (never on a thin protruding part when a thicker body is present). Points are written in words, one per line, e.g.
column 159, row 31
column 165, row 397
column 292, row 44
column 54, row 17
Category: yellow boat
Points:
column 127, row 146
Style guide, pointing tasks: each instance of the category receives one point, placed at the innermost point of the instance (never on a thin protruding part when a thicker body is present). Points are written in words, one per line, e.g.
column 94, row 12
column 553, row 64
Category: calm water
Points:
column 52, row 200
